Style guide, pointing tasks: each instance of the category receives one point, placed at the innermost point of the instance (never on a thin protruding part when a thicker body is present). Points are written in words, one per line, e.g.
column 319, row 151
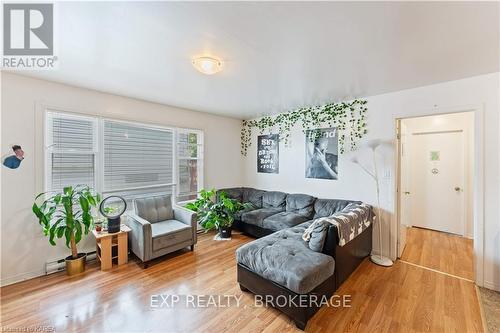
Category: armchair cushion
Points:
column 169, row 232
column 154, row 209
column 187, row 217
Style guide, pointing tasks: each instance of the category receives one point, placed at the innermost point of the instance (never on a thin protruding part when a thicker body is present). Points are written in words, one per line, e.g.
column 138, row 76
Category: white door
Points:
column 437, row 171
column 404, row 192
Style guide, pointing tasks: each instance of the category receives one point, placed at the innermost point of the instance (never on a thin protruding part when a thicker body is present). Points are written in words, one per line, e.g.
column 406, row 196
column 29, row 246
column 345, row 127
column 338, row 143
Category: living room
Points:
column 250, row 166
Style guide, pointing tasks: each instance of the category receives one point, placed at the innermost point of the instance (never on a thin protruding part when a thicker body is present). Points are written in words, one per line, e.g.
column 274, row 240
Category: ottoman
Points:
column 281, row 264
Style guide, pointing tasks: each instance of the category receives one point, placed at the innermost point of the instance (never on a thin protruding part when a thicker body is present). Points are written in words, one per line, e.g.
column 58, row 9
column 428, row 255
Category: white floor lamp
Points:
column 373, row 145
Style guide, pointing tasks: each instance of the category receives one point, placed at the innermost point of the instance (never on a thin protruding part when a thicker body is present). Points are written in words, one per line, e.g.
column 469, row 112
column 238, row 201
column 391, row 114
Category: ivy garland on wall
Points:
column 348, row 117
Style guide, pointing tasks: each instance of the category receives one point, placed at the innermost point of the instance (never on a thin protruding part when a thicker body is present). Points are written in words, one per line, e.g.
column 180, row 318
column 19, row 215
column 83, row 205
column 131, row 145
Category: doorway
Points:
column 435, row 160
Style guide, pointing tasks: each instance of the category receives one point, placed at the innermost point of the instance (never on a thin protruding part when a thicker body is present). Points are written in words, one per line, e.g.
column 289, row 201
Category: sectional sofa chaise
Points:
column 281, row 262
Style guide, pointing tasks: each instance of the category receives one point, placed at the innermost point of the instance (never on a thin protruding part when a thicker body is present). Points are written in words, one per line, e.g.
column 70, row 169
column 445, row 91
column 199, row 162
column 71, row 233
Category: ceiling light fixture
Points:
column 207, row 65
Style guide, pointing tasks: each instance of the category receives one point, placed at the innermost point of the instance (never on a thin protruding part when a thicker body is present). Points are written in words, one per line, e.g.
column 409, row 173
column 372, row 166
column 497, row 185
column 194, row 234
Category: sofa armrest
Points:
column 140, row 236
column 188, row 217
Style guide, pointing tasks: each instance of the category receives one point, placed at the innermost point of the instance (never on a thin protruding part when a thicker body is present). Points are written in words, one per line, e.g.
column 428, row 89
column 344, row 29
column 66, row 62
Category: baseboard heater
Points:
column 60, row 265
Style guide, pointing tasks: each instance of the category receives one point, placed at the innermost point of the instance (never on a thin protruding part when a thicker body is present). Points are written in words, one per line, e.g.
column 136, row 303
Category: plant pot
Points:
column 75, row 266
column 225, row 232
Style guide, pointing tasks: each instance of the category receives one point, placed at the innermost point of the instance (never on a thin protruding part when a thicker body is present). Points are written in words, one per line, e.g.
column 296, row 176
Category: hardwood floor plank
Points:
column 402, row 298
column 441, row 251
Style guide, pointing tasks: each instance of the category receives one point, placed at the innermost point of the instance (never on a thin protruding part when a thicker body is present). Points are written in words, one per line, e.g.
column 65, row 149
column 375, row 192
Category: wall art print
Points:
column 268, row 153
column 322, row 151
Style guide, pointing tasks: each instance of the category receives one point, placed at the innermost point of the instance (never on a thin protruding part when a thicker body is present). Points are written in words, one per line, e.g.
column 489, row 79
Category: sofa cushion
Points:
column 328, row 207
column 273, row 199
column 232, row 193
column 154, row 209
column 283, row 220
column 253, row 196
column 318, row 235
column 238, row 215
column 257, row 216
column 301, row 204
column 284, row 258
column 168, row 233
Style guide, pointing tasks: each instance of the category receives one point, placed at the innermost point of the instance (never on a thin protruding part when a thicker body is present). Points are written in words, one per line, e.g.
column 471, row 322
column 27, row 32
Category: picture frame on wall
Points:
column 322, row 151
column 268, row 153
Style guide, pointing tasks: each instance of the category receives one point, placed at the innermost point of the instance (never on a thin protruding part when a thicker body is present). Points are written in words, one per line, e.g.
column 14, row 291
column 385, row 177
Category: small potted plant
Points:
column 68, row 214
column 216, row 214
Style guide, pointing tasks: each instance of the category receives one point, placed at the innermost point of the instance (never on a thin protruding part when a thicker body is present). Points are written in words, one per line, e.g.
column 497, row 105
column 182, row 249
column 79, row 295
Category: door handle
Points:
column 458, row 189
column 407, row 193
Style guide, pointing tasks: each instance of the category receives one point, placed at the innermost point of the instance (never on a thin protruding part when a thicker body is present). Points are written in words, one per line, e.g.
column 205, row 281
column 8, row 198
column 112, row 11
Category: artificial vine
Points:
column 348, row 117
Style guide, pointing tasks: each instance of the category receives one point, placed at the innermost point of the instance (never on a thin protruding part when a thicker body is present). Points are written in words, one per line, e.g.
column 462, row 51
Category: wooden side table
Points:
column 112, row 246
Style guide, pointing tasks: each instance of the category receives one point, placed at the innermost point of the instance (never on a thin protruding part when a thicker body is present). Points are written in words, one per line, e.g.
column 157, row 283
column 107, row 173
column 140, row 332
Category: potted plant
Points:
column 68, row 214
column 216, row 214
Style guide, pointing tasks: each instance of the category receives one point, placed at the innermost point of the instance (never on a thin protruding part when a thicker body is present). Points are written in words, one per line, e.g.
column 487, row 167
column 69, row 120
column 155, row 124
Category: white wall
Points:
column 24, row 248
column 460, row 95
column 449, row 122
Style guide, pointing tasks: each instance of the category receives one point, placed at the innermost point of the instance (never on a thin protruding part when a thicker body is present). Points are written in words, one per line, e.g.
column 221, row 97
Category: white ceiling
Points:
column 277, row 56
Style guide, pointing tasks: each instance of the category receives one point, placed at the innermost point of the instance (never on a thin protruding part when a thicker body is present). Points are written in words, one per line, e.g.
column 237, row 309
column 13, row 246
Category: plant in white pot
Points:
column 68, row 214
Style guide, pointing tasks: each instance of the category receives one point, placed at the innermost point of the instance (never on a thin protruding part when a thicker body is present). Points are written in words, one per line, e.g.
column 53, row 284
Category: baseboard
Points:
column 21, row 277
column 492, row 286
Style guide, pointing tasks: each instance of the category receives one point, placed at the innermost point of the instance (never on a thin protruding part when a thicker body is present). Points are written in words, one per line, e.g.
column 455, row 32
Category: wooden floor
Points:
column 399, row 298
column 440, row 251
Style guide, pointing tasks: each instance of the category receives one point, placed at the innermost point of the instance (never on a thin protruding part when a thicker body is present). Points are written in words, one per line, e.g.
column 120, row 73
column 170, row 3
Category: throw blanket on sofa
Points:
column 350, row 222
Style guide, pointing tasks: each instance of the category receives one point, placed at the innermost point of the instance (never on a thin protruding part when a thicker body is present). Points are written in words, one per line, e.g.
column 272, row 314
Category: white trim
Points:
column 136, row 123
column 42, row 181
column 478, row 196
column 48, row 150
column 491, row 285
column 138, row 188
column 200, row 158
column 21, row 277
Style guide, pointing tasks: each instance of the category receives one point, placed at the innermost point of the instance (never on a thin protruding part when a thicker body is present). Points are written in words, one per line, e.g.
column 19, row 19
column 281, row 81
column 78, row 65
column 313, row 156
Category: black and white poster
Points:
column 268, row 153
column 322, row 153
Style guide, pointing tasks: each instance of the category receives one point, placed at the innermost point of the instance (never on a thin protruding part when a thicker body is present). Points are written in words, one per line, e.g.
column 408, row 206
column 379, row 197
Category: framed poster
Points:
column 268, row 153
column 322, row 153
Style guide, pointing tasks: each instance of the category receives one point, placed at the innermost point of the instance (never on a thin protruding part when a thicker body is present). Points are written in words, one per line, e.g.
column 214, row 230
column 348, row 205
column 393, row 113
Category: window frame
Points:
column 98, row 150
column 49, row 151
column 200, row 158
column 139, row 124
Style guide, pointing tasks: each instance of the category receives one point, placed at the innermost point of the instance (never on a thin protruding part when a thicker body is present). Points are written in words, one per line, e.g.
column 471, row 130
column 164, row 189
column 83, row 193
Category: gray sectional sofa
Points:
column 280, row 262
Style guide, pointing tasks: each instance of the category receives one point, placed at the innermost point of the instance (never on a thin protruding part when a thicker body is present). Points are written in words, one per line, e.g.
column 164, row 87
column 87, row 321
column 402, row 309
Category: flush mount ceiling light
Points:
column 207, row 65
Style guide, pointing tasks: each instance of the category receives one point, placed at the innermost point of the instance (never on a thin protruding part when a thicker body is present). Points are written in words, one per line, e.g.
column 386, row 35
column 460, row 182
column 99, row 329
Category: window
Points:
column 71, row 150
column 190, row 164
column 137, row 159
column 122, row 158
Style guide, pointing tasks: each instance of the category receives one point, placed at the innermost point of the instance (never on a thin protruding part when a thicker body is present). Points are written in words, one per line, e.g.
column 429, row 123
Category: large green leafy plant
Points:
column 213, row 213
column 67, row 214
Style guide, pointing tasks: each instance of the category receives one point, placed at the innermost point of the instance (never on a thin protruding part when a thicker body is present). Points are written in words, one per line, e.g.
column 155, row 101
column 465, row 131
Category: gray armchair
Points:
column 159, row 229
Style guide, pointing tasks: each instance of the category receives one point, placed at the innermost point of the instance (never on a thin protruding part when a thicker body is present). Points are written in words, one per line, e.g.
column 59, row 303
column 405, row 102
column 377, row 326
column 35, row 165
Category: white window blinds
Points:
column 138, row 159
column 71, row 148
